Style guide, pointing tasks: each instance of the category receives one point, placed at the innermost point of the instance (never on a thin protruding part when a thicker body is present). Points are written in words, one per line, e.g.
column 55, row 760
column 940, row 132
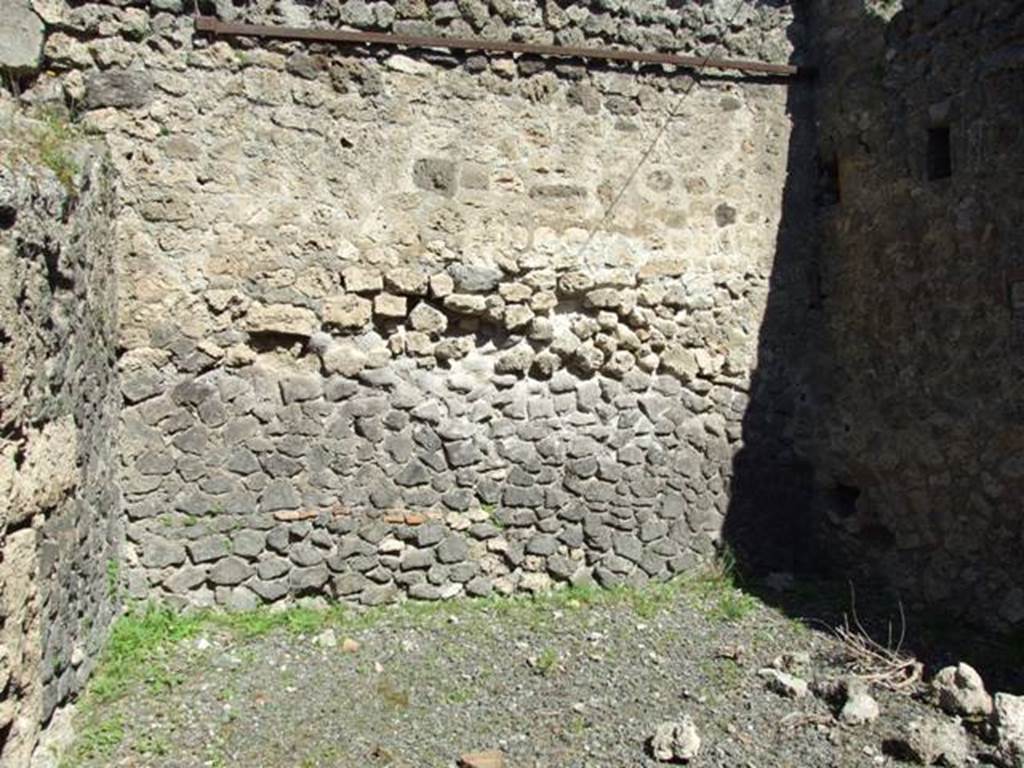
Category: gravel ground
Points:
column 553, row 682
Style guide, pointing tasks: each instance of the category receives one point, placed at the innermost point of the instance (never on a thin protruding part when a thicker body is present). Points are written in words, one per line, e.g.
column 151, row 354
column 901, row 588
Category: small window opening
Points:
column 828, row 192
column 1016, row 291
column 940, row 154
column 845, row 499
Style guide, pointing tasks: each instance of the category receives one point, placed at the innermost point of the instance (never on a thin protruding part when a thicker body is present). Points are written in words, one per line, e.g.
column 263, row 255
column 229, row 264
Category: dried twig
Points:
column 886, row 665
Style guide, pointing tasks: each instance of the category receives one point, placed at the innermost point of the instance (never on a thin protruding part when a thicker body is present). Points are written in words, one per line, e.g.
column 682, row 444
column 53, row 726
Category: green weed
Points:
column 721, row 675
column 578, row 726
column 458, row 696
column 49, row 140
column 547, row 663
column 718, row 590
column 113, row 578
column 152, row 744
column 100, row 740
column 393, row 696
column 298, row 620
column 53, row 141
column 137, row 649
column 492, row 514
column 136, row 642
column 734, row 605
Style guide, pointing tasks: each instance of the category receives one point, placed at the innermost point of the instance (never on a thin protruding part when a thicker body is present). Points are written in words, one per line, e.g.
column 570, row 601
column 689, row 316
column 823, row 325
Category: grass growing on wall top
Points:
column 47, row 140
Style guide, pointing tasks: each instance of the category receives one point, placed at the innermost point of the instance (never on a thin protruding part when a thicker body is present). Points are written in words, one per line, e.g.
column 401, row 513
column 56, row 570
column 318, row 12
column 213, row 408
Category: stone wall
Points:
column 918, row 436
column 378, row 335
column 59, row 519
column 412, row 324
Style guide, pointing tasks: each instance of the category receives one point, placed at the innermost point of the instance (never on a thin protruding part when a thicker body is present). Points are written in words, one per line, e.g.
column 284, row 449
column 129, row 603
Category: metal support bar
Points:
column 216, row 27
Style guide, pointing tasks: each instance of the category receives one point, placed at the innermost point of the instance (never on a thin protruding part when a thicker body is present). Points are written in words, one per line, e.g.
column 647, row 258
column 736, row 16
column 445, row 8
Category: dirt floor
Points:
column 578, row 678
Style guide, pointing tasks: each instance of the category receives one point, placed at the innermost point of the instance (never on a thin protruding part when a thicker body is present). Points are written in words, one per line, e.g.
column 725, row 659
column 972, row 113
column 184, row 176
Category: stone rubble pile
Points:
column 997, row 723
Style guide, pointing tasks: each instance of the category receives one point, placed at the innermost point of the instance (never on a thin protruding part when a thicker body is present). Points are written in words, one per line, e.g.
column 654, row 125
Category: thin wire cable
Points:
column 673, row 113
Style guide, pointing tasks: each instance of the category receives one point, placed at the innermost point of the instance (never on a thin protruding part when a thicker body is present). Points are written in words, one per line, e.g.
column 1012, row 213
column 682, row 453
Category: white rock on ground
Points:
column 676, row 741
column 783, row 683
column 326, row 639
column 927, row 741
column 859, row 708
column 961, row 691
column 1009, row 722
column 791, row 661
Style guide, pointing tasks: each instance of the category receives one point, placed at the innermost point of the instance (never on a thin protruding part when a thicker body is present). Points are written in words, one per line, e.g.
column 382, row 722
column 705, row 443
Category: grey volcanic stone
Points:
column 306, row 579
column 415, row 473
column 305, row 554
column 192, row 440
column 423, row 591
column 270, row 590
column 484, row 531
column 462, row 453
column 278, row 539
column 470, row 278
column 961, row 691
column 207, row 548
column 272, row 568
column 435, row 174
column 452, row 549
column 523, row 497
column 417, row 559
column 561, row 567
column 379, row 594
column 542, row 544
column 349, row 584
column 248, row 543
column 481, row 586
column 118, row 88
column 627, row 546
column 230, row 571
column 279, row 495
column 21, row 37
column 184, row 579
column 159, row 553
column 429, row 534
column 299, row 388
column 928, row 740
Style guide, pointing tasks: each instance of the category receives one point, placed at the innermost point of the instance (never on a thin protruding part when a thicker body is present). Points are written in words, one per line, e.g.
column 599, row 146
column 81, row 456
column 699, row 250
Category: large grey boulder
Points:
column 118, row 88
column 927, row 741
column 21, row 37
column 1008, row 717
column 961, row 691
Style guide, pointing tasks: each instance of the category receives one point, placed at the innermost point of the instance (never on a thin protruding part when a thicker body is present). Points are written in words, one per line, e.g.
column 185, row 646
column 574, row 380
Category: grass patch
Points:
column 136, row 641
column 718, row 589
column 138, row 651
column 143, row 634
column 113, row 578
column 48, row 140
column 721, row 674
column 153, row 744
column 297, row 620
column 547, row 663
column 393, row 696
column 53, row 142
column 98, row 741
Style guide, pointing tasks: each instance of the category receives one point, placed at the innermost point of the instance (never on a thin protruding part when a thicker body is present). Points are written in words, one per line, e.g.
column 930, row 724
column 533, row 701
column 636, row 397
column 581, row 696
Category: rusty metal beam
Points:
column 214, row 26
